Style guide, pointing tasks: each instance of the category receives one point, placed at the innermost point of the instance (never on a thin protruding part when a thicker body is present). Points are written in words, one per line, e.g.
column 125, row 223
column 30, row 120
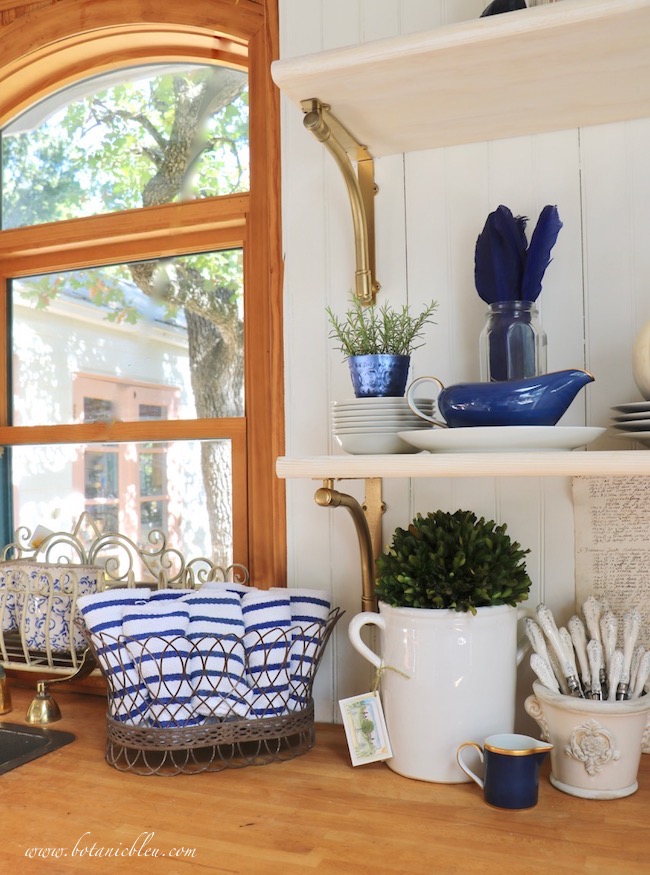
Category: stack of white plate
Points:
column 370, row 425
column 632, row 421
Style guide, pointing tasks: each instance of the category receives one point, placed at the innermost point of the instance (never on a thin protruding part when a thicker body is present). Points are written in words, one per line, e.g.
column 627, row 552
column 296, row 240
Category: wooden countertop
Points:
column 313, row 814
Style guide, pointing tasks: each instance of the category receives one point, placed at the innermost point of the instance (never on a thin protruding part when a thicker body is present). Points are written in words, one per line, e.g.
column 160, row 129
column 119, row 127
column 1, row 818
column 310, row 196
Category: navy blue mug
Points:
column 511, row 769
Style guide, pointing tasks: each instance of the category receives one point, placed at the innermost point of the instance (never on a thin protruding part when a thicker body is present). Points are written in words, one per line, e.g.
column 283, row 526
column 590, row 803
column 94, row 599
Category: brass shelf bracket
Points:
column 361, row 188
column 367, row 522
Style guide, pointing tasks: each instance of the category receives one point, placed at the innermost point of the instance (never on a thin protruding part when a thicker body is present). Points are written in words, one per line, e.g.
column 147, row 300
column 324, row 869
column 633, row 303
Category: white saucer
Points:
column 505, row 438
column 359, row 416
column 368, row 403
column 633, row 425
column 632, row 417
column 633, row 407
column 643, row 437
column 395, row 427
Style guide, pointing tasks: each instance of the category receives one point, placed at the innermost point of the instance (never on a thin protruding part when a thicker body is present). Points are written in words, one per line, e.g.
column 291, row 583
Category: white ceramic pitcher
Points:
column 446, row 677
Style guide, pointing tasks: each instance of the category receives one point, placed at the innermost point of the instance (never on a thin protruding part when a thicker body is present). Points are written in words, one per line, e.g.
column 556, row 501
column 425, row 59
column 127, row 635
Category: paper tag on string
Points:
column 365, row 728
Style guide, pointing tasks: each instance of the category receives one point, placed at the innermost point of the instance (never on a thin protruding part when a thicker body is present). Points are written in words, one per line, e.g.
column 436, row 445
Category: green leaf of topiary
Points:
column 452, row 560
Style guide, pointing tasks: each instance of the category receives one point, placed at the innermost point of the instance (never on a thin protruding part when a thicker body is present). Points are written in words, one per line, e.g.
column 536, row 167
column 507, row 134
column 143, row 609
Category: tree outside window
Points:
column 144, row 173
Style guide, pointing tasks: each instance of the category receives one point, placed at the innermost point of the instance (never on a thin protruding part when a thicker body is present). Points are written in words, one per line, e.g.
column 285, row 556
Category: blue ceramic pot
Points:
column 376, row 376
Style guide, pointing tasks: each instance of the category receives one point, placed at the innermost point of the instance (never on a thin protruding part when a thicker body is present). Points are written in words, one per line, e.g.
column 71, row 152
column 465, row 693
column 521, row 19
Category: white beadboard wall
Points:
column 430, row 208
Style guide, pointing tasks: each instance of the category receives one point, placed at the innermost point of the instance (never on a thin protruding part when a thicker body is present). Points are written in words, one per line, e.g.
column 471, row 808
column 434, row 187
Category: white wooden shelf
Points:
column 591, row 463
column 553, row 67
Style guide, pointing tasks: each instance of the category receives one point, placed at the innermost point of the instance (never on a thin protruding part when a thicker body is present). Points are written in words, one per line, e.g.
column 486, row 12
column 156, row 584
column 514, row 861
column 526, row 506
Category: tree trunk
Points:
column 214, row 326
column 216, row 368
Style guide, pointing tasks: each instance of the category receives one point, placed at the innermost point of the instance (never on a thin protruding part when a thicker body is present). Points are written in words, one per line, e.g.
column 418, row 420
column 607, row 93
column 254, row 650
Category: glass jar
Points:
column 512, row 345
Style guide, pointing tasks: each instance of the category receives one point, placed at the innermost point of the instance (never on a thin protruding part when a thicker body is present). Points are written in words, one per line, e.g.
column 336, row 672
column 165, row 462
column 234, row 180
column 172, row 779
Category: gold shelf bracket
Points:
column 361, row 188
column 367, row 522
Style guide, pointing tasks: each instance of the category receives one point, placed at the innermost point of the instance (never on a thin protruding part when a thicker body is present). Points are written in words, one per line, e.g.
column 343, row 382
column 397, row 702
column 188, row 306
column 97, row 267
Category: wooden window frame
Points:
column 61, row 43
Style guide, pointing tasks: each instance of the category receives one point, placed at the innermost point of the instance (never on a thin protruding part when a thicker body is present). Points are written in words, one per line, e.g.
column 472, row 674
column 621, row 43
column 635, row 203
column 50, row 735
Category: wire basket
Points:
column 180, row 706
column 43, row 573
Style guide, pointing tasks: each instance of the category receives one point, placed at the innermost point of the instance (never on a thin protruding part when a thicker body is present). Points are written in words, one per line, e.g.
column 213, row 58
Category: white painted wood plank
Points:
column 553, row 67
column 341, row 21
column 379, row 19
column 454, row 11
column 301, row 29
column 608, row 184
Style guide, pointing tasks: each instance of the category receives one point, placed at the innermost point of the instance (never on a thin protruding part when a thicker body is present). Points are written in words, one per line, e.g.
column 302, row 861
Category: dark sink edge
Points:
column 54, row 739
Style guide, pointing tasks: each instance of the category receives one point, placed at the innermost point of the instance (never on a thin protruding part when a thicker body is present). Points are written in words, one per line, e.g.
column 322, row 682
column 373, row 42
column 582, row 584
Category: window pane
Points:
column 152, row 473
column 130, row 490
column 101, row 475
column 143, row 341
column 98, row 410
column 138, row 137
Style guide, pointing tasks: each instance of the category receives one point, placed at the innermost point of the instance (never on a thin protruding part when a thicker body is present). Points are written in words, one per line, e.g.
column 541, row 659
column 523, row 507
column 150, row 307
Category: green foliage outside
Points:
column 157, row 139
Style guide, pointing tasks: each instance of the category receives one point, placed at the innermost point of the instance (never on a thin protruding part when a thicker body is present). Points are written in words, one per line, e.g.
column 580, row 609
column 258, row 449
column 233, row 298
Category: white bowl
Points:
column 372, row 444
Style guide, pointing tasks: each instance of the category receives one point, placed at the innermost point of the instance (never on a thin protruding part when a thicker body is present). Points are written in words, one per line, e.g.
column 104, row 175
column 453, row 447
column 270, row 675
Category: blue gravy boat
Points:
column 511, row 768
column 540, row 400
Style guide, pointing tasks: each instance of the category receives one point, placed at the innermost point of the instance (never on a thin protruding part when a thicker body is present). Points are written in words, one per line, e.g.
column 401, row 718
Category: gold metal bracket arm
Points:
column 361, row 188
column 327, row 496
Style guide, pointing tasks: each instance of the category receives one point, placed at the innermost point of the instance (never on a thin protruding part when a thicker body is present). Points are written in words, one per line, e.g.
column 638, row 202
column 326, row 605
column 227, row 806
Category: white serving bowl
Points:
column 373, row 444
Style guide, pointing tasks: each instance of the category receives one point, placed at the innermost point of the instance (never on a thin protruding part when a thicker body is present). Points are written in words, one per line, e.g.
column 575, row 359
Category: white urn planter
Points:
column 447, row 677
column 596, row 745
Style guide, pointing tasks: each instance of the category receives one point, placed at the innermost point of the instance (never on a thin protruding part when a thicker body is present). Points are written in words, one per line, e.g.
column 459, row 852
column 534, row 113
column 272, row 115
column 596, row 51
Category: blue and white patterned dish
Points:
column 36, row 591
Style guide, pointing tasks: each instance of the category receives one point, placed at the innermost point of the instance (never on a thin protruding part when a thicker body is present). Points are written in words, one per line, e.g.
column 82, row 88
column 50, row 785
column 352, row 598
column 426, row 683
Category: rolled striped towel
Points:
column 218, row 658
column 156, row 636
column 310, row 609
column 102, row 615
column 169, row 595
column 230, row 586
column 267, row 618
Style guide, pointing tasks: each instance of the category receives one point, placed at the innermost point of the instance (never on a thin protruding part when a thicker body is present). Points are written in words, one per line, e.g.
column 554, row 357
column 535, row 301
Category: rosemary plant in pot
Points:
column 449, row 587
column 377, row 342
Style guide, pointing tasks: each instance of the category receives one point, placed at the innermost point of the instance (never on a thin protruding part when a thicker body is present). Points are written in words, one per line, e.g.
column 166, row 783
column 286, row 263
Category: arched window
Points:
column 140, row 260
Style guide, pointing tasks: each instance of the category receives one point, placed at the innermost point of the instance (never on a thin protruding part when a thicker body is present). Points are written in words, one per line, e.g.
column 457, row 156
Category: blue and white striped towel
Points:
column 169, row 595
column 267, row 618
column 102, row 615
column 156, row 636
column 230, row 586
column 309, row 612
column 218, row 659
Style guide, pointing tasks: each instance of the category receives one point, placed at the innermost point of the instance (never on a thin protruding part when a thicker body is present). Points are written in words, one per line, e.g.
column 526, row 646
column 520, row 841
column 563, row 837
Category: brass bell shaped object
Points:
column 43, row 708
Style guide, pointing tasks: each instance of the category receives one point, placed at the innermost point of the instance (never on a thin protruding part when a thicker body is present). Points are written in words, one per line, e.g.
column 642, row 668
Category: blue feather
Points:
column 500, row 256
column 539, row 252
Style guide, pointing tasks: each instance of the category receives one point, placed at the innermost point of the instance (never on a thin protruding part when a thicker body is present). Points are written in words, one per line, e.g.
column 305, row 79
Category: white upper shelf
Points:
column 589, row 463
column 553, row 67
